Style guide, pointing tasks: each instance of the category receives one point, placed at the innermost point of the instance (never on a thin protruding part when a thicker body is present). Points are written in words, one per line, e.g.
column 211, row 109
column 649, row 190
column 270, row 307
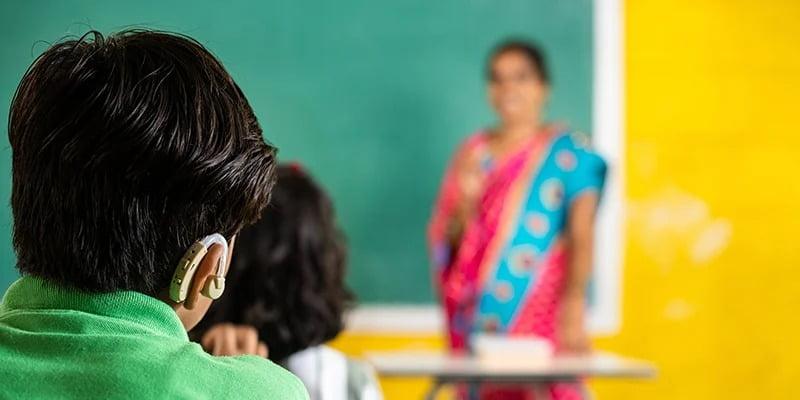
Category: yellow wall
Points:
column 711, row 278
column 711, row 275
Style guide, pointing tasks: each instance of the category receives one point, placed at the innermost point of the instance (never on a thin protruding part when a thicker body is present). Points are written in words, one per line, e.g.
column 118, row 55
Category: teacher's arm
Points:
column 572, row 335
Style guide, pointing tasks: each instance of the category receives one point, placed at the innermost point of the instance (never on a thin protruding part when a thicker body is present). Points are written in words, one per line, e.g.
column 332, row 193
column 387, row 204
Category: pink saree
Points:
column 505, row 272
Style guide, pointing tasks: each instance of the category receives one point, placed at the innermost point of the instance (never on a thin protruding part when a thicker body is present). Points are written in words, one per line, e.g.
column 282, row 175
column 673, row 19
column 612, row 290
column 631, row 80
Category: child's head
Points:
column 126, row 149
column 288, row 273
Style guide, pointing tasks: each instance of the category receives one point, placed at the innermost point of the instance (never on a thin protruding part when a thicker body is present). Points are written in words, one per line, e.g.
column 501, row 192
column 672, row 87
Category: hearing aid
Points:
column 187, row 267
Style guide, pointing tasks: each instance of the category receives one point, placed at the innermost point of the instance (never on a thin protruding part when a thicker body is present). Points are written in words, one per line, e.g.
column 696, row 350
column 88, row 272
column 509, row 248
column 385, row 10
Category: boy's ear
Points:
column 206, row 270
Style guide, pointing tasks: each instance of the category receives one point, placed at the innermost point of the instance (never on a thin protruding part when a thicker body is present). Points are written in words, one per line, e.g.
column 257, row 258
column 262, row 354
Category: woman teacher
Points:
column 512, row 230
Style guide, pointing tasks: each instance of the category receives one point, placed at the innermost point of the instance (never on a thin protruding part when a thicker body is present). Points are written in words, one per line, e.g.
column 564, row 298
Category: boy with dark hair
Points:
column 126, row 151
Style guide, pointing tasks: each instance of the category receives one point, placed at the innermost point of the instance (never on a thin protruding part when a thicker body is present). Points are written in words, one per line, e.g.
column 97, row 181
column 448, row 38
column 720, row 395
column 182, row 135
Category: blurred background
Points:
column 693, row 102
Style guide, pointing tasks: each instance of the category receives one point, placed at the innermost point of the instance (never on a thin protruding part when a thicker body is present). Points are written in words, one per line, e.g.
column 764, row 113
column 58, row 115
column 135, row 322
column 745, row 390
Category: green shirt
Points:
column 60, row 343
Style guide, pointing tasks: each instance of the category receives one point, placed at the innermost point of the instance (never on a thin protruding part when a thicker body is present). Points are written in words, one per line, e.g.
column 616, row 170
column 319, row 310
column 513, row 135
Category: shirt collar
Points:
column 31, row 293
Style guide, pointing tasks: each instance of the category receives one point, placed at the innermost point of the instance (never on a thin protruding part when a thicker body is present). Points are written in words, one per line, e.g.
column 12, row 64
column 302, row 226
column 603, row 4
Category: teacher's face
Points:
column 515, row 90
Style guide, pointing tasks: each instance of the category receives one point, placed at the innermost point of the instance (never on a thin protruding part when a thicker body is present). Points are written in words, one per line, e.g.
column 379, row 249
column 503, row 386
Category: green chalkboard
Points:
column 372, row 96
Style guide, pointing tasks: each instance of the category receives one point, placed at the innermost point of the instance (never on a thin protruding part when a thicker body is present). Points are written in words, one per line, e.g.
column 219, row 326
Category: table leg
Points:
column 437, row 386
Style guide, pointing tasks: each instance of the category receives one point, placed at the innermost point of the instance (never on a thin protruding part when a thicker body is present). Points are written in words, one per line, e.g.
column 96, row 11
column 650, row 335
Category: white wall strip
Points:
column 608, row 137
column 396, row 319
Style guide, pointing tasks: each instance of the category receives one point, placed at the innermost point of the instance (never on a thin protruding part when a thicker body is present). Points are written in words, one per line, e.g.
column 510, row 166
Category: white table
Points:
column 447, row 369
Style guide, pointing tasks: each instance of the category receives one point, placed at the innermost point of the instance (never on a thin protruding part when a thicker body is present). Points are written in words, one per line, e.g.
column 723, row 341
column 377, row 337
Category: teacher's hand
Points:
column 571, row 331
column 233, row 340
column 470, row 185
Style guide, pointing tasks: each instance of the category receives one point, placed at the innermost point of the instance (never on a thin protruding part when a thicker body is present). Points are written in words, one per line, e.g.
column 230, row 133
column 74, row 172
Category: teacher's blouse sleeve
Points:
column 588, row 170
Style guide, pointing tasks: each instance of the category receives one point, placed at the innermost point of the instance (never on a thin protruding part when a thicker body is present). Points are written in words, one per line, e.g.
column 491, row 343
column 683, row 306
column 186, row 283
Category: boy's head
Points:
column 126, row 149
column 288, row 274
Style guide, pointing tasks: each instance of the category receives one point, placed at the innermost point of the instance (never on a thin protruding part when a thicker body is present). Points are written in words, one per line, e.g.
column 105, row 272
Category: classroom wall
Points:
column 711, row 281
column 710, row 277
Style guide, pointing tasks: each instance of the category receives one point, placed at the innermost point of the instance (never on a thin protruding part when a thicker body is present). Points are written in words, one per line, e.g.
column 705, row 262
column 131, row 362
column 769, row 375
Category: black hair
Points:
column 287, row 277
column 531, row 51
column 125, row 150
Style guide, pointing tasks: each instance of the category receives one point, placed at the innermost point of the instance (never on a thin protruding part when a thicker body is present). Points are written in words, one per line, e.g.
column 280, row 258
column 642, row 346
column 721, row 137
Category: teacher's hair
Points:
column 531, row 51
column 287, row 277
column 126, row 149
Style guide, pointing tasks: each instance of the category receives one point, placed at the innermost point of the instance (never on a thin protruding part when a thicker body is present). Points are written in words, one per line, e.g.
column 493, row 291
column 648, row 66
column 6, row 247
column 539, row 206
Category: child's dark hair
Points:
column 287, row 277
column 126, row 149
column 532, row 52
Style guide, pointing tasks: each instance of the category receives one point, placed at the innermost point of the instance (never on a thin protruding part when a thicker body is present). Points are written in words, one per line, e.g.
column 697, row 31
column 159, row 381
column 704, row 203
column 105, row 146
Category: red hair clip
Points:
column 297, row 167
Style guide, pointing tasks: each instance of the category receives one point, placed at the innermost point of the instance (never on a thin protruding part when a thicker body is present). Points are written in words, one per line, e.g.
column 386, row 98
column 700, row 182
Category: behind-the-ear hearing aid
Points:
column 187, row 267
